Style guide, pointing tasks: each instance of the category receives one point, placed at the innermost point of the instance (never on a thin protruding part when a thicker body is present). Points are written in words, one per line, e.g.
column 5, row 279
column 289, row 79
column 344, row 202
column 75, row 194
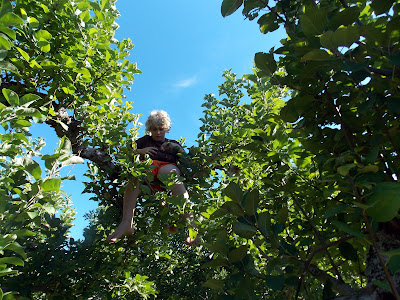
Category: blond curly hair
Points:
column 158, row 118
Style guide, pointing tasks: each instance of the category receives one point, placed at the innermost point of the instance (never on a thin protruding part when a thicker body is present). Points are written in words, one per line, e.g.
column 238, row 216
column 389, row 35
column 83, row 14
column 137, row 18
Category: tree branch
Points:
column 338, row 285
column 308, row 262
column 102, row 159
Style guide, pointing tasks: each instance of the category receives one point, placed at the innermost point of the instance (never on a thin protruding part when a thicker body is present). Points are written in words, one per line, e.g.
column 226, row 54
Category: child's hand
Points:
column 148, row 150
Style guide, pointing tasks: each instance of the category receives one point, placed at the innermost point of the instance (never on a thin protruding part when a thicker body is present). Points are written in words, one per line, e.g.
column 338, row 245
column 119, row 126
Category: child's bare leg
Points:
column 126, row 226
column 180, row 189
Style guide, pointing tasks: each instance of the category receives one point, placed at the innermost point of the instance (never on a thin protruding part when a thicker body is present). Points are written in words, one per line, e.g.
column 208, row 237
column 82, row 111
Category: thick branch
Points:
column 73, row 133
column 338, row 285
column 308, row 262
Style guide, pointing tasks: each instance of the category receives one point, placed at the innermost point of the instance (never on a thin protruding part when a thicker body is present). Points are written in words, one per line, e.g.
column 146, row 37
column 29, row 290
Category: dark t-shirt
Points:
column 147, row 141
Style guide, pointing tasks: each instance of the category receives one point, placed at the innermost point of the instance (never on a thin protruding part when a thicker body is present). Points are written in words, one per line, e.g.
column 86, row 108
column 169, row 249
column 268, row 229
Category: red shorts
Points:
column 155, row 171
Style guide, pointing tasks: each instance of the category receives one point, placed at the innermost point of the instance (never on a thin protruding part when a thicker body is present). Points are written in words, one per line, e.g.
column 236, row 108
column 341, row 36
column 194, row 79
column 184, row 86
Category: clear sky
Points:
column 182, row 47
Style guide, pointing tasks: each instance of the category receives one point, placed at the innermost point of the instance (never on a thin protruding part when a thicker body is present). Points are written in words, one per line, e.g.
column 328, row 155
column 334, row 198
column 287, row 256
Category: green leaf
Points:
column 381, row 6
column 5, row 43
column 348, row 252
column 317, row 55
column 43, row 35
column 228, row 7
column 23, row 232
column 326, row 40
column 32, row 214
column 3, row 54
column 234, row 192
column 72, row 161
column 11, row 97
column 7, row 66
column 289, row 113
column 22, row 123
column 346, row 228
column 85, row 16
column 23, row 53
column 314, row 21
column 344, row 170
column 335, row 211
column 29, row 111
column 44, row 46
column 275, row 282
column 49, row 208
column 244, row 230
column 237, row 254
column 369, row 169
column 393, row 104
column 384, row 201
column 345, row 36
column 11, row 33
column 264, row 223
column 28, row 98
column 282, row 215
column 214, row 284
column 346, row 17
column 33, row 22
column 251, row 201
column 265, row 62
column 233, row 208
column 394, row 264
column 10, row 19
column 12, row 261
column 382, row 284
column 104, row 4
column 268, row 22
column 51, row 185
column 32, row 167
column 65, row 145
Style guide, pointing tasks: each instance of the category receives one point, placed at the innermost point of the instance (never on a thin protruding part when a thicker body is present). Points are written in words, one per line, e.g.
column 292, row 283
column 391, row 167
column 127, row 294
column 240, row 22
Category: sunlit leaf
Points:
column 32, row 167
column 11, row 97
column 10, row 19
column 12, row 261
column 51, row 185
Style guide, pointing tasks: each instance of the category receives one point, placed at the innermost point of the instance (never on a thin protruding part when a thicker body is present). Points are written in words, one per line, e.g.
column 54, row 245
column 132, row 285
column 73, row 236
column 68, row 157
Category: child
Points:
column 164, row 153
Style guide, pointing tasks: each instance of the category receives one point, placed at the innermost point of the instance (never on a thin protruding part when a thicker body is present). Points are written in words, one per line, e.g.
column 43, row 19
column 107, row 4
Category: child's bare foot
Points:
column 122, row 229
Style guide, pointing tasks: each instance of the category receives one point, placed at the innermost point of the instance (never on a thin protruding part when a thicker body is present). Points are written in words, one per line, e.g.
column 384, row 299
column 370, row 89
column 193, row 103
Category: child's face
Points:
column 158, row 133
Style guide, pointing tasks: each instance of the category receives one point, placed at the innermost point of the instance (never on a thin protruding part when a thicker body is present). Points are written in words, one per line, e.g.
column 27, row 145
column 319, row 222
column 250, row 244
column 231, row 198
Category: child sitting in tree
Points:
column 164, row 154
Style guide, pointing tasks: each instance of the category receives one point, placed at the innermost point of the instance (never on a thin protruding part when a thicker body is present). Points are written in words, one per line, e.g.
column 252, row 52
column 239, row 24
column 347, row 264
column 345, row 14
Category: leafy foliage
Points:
column 324, row 164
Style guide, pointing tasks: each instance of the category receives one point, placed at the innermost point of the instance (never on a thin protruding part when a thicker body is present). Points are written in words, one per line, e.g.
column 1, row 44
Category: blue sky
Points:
column 181, row 47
